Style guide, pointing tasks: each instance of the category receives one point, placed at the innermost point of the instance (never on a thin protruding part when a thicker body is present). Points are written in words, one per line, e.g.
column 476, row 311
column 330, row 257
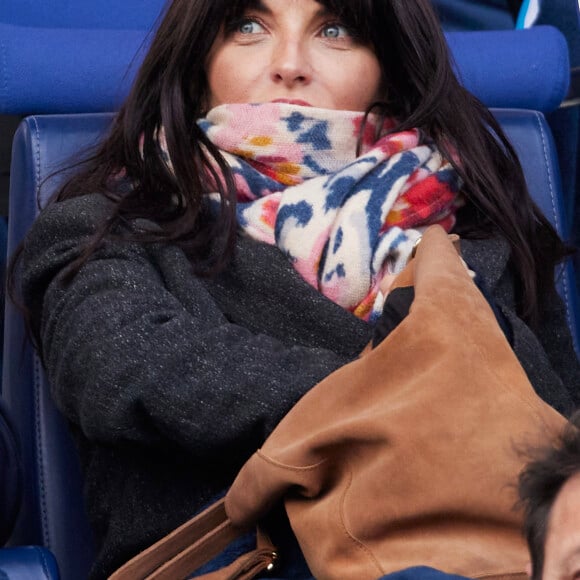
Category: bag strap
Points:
column 195, row 543
column 245, row 567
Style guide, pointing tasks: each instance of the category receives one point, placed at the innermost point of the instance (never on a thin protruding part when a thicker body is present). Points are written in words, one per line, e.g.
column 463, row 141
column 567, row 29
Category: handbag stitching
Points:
column 359, row 544
column 272, row 461
column 534, row 408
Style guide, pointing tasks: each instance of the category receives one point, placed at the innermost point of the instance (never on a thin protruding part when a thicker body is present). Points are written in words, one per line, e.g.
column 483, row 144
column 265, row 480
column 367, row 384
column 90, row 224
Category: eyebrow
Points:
column 258, row 5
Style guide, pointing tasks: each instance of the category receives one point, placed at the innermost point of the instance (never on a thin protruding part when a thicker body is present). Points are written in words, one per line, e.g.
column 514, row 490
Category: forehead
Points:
column 563, row 538
column 341, row 7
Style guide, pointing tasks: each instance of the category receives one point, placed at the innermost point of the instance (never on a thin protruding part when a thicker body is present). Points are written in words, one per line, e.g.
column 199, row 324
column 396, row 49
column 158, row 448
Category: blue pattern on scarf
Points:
column 301, row 212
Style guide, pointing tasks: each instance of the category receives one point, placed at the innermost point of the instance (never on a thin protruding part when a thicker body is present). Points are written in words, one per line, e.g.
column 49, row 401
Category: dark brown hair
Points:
column 421, row 90
column 539, row 485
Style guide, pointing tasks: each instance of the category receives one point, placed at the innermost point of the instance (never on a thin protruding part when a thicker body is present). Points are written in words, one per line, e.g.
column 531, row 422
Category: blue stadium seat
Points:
column 565, row 122
column 522, row 69
column 64, row 56
column 52, row 513
column 563, row 14
column 21, row 563
column 82, row 70
column 28, row 563
column 532, row 138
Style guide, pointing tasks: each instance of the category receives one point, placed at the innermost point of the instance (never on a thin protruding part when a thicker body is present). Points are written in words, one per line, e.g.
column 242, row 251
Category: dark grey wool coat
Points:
column 170, row 382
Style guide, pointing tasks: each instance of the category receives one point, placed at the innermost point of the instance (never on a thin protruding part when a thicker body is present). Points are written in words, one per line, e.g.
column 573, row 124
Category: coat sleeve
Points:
column 129, row 362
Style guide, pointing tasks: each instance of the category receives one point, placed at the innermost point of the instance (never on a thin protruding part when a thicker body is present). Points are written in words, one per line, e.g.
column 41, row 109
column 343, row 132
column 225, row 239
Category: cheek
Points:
column 370, row 79
column 373, row 71
column 218, row 77
column 360, row 84
column 228, row 78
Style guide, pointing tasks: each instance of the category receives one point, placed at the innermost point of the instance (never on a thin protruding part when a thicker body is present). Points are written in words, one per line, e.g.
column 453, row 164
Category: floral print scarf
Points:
column 342, row 219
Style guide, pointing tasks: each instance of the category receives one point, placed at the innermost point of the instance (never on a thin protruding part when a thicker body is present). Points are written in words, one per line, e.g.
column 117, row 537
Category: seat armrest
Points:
column 28, row 562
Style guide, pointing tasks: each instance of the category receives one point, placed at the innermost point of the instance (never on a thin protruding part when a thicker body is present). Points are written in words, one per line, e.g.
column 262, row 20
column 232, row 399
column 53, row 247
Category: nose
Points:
column 290, row 64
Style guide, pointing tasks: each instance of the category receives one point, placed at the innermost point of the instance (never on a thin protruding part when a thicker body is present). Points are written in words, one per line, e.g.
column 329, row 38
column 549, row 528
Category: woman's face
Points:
column 295, row 51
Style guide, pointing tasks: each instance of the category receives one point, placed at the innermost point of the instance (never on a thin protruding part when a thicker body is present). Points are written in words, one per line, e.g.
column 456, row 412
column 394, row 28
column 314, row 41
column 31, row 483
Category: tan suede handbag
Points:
column 407, row 456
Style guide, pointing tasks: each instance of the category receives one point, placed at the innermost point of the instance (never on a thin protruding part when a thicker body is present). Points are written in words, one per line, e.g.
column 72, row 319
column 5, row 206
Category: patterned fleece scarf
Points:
column 342, row 220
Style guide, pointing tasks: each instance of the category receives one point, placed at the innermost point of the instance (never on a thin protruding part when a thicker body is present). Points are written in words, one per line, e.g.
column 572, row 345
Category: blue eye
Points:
column 248, row 26
column 335, row 31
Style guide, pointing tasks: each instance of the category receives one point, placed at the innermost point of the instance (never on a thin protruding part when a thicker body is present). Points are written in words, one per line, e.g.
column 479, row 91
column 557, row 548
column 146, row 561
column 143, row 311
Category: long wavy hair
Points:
column 420, row 90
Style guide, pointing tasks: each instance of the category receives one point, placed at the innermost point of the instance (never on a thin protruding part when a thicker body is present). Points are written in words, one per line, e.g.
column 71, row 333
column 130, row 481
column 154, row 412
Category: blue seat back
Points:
column 81, row 14
column 565, row 123
column 520, row 69
column 52, row 513
column 67, row 56
column 530, row 134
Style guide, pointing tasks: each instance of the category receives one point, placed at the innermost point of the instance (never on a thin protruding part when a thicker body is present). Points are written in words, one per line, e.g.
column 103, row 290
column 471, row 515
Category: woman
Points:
column 178, row 322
